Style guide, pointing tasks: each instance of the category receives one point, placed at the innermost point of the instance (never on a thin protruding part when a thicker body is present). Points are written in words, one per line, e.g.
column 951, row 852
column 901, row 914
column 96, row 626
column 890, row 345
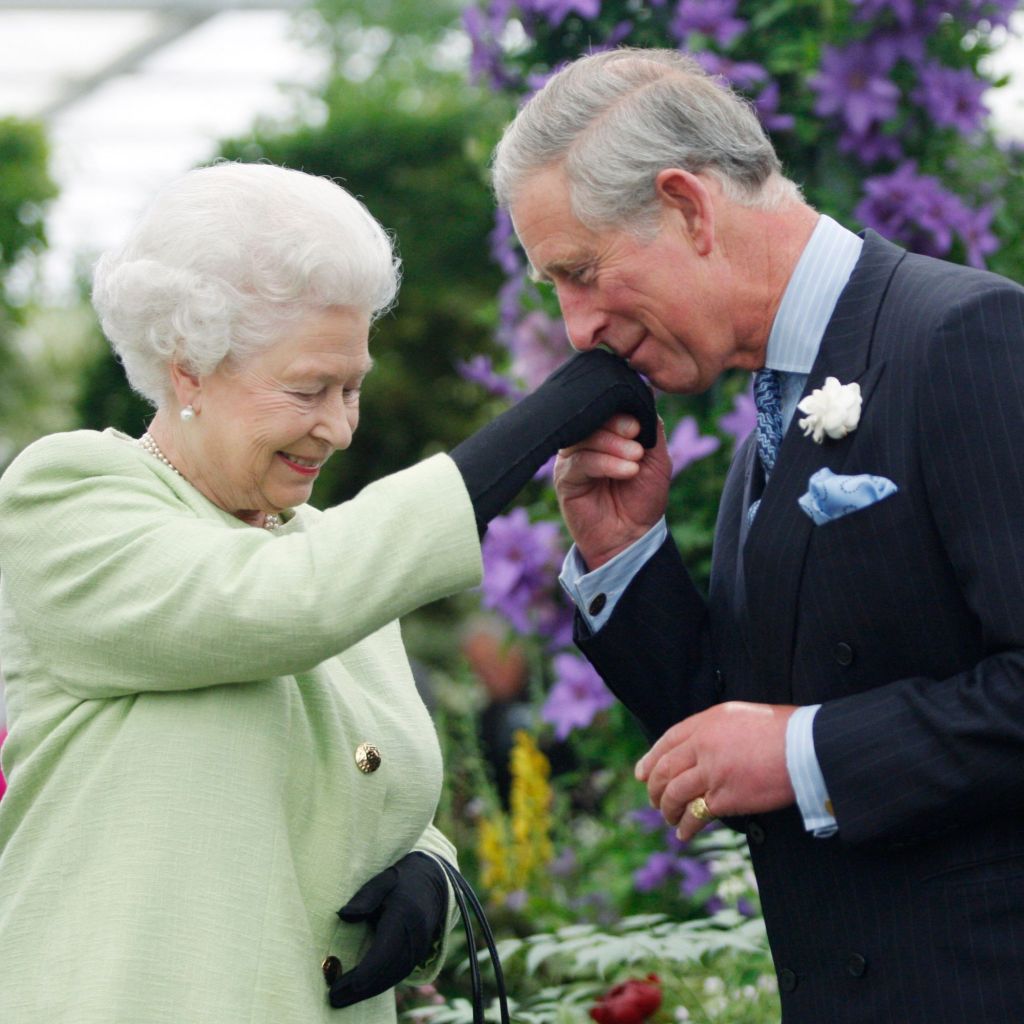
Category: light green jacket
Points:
column 185, row 697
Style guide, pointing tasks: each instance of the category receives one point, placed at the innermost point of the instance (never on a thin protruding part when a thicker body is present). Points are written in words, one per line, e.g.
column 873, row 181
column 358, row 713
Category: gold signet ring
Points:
column 699, row 809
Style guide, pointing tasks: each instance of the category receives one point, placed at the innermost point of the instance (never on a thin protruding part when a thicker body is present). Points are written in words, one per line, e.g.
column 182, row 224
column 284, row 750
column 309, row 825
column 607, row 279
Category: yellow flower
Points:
column 493, row 859
column 515, row 849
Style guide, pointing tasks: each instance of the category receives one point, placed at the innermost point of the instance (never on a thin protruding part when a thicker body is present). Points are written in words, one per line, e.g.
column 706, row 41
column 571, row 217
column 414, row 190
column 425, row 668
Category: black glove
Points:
column 407, row 905
column 501, row 458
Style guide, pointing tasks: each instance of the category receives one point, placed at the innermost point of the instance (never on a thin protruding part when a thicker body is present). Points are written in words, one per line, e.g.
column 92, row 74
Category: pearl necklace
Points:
column 147, row 444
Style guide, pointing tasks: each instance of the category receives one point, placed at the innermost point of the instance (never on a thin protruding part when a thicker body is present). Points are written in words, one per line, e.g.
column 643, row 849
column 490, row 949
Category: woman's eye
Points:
column 306, row 395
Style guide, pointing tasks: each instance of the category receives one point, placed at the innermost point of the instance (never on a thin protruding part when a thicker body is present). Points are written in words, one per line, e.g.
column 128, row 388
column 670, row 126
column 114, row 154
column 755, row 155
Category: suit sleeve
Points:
column 120, row 588
column 653, row 652
column 920, row 756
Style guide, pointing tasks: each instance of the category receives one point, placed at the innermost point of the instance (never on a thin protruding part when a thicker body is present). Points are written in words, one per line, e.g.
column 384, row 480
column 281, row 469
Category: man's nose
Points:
column 584, row 323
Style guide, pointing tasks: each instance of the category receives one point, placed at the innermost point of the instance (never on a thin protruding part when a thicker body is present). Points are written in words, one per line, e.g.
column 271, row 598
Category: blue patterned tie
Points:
column 768, row 401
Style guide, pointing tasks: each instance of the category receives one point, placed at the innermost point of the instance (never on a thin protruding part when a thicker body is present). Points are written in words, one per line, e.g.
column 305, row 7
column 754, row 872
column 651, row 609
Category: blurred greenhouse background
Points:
column 902, row 115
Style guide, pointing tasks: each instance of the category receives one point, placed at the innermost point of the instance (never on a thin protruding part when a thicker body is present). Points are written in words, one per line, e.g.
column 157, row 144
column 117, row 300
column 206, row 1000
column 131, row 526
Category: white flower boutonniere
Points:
column 833, row 409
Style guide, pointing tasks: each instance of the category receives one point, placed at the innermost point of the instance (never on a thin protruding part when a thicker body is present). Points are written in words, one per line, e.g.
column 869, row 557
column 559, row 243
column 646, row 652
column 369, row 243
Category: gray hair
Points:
column 614, row 120
column 226, row 259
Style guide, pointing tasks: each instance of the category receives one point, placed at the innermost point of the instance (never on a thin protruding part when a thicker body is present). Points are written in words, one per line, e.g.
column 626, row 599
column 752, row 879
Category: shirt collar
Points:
column 810, row 298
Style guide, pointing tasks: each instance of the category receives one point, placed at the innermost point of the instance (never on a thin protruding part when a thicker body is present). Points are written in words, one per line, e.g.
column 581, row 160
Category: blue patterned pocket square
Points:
column 831, row 496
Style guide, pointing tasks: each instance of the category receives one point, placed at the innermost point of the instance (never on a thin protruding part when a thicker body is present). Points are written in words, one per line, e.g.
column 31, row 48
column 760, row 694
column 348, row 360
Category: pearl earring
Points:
column 186, row 414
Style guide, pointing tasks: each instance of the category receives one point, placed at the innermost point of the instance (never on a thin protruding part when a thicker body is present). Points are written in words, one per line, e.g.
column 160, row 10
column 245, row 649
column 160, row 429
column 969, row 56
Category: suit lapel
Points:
column 727, row 582
column 776, row 548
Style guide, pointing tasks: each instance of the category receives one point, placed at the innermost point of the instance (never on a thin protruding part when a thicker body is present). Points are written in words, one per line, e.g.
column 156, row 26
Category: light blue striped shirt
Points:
column 807, row 305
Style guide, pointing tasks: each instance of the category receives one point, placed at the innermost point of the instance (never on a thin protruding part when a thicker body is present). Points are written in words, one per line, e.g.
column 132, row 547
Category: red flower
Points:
column 632, row 1002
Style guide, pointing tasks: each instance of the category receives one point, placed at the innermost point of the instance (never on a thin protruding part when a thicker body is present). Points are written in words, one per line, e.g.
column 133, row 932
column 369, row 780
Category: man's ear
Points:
column 187, row 387
column 688, row 195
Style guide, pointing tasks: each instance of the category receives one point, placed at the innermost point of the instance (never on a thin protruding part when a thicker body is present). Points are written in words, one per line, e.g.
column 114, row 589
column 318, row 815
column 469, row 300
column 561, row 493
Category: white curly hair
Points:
column 227, row 258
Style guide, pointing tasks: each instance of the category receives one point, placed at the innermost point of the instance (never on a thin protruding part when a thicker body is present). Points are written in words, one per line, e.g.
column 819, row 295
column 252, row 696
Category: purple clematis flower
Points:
column 743, row 417
column 853, row 82
column 951, row 96
column 556, row 11
column 688, row 445
column 888, row 199
column 577, row 696
column 553, row 620
column 521, row 563
column 502, row 241
column 891, row 47
column 510, row 304
column 696, row 874
column 872, row 147
column 995, row 12
column 648, row 818
column 539, row 345
column 715, row 19
column 767, row 106
column 480, row 370
column 978, row 239
column 917, row 211
column 660, row 867
column 743, row 74
column 486, row 60
column 903, row 11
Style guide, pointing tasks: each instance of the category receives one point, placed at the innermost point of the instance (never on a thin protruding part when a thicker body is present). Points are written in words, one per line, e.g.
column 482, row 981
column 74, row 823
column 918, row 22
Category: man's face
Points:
column 660, row 304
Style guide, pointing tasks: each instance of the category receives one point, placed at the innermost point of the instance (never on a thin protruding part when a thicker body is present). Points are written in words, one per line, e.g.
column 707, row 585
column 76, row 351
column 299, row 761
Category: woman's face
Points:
column 264, row 427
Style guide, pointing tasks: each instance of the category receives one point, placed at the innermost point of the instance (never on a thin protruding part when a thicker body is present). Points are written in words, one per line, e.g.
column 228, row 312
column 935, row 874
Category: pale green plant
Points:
column 714, row 969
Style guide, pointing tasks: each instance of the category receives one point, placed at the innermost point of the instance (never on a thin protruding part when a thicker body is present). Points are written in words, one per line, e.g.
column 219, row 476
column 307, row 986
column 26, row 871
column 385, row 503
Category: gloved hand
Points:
column 501, row 458
column 407, row 905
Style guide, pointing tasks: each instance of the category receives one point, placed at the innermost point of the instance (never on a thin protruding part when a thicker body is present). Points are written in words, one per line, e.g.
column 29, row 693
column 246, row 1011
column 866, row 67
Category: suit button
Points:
column 856, row 965
column 719, row 680
column 597, row 605
column 843, row 654
column 331, row 968
column 755, row 833
column 787, row 980
column 367, row 758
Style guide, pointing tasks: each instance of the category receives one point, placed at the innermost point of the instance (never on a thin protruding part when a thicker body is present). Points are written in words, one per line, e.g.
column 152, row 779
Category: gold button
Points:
column 367, row 758
column 331, row 968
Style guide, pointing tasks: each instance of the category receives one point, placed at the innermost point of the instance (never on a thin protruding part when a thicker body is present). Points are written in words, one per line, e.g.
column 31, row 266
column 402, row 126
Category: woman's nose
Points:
column 337, row 424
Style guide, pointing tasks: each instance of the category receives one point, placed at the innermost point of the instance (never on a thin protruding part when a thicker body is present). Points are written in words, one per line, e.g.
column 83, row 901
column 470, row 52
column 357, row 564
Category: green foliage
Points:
column 105, row 399
column 410, row 26
column 25, row 189
column 54, row 349
column 715, row 969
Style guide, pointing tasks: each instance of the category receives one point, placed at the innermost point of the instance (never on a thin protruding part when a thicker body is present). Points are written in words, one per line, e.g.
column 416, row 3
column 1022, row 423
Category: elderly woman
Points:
column 215, row 739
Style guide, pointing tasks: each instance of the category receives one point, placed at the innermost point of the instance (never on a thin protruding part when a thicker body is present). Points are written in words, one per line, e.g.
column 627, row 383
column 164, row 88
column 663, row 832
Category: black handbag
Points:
column 466, row 900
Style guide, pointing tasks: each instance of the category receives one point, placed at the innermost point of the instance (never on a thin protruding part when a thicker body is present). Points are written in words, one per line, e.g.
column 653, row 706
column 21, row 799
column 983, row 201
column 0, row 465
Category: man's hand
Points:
column 611, row 489
column 733, row 755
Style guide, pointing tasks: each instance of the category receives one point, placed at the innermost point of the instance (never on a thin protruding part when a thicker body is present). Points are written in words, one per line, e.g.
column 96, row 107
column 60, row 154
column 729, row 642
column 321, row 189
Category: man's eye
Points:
column 351, row 395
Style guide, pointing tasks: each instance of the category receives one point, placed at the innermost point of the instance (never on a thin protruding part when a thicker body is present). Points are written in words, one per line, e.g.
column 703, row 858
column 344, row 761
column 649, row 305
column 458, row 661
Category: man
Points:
column 851, row 693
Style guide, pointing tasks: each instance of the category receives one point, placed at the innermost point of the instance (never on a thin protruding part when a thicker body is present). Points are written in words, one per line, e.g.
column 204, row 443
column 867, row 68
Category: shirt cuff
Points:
column 805, row 773
column 597, row 593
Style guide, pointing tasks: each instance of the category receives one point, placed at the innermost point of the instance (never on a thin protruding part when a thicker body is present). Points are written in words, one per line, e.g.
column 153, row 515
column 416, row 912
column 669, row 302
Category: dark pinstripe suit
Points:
column 906, row 620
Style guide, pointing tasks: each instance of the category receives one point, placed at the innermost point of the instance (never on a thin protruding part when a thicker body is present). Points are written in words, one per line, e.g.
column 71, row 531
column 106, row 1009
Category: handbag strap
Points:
column 465, row 899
